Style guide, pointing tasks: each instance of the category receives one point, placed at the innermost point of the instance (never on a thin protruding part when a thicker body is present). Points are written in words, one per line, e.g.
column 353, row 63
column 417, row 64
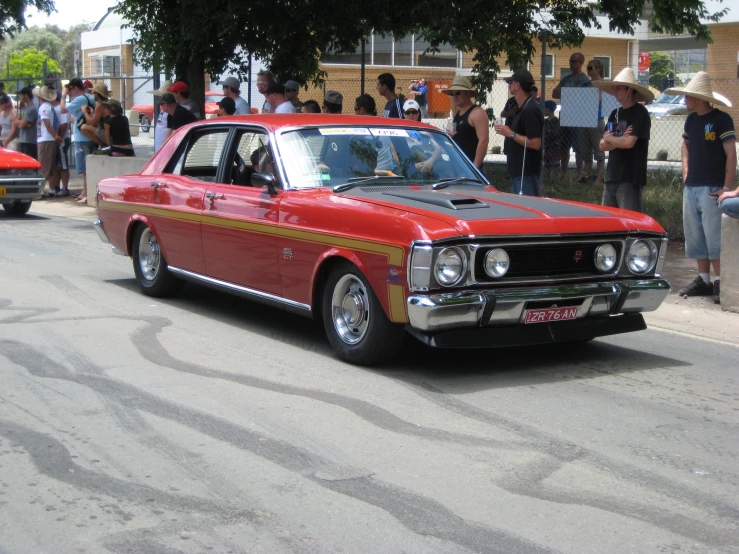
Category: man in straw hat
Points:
column 709, row 168
column 48, row 138
column 627, row 140
column 523, row 137
column 470, row 127
column 163, row 126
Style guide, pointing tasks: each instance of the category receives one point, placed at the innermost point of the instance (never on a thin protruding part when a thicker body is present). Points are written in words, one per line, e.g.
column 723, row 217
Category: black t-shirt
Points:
column 465, row 134
column 528, row 122
column 394, row 108
column 120, row 134
column 629, row 165
column 706, row 156
column 182, row 116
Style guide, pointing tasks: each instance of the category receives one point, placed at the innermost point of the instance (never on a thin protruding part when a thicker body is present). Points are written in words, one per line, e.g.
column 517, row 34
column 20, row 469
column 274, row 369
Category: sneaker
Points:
column 717, row 292
column 63, row 192
column 51, row 194
column 697, row 288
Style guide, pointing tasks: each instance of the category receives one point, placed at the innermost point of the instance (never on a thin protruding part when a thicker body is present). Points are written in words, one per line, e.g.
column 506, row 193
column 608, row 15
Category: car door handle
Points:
column 213, row 195
column 156, row 186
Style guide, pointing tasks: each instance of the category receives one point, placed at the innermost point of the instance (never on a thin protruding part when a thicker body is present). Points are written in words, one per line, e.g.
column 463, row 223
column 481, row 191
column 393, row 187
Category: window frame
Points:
column 186, row 145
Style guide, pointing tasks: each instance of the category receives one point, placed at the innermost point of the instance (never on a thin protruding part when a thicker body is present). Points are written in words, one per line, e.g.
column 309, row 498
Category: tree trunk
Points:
column 196, row 80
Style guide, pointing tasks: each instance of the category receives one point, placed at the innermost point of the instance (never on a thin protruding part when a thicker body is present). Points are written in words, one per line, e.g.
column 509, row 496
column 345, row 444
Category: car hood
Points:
column 10, row 159
column 475, row 210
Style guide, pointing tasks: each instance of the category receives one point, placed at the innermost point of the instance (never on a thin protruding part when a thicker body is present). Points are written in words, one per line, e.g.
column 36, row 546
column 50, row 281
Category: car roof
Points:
column 274, row 122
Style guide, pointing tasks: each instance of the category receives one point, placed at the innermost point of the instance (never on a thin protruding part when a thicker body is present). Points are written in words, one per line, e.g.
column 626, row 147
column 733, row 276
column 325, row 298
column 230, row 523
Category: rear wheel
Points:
column 145, row 123
column 17, row 208
column 150, row 266
column 355, row 323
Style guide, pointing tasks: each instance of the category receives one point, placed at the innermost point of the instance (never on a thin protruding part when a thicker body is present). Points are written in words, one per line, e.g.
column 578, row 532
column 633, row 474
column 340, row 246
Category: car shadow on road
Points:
column 460, row 371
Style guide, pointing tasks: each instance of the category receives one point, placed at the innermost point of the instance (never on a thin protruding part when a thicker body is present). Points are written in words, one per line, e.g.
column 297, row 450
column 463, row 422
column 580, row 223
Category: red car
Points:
column 146, row 111
column 20, row 181
column 379, row 228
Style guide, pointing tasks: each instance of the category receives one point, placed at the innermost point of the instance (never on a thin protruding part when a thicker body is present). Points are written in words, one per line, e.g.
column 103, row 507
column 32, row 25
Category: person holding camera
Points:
column 418, row 91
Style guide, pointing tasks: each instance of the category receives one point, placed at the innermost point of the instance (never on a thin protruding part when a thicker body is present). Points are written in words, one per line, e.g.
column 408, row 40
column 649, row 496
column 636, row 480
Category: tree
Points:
column 189, row 37
column 29, row 65
column 12, row 14
column 36, row 39
column 661, row 68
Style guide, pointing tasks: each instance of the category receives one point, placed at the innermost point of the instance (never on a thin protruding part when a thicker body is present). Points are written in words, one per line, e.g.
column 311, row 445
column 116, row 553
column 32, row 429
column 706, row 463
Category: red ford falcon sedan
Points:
column 379, row 228
column 20, row 182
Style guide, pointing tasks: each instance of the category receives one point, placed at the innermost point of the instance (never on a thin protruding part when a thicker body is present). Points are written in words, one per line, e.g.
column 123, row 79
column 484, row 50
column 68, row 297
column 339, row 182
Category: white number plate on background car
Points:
column 550, row 314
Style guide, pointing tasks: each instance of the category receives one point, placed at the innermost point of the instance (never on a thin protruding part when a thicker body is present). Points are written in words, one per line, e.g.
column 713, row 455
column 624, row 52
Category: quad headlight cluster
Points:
column 448, row 266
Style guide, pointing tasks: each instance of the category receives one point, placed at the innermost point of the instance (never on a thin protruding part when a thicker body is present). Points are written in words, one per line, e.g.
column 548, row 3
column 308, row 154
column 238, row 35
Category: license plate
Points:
column 550, row 314
column 2, row 191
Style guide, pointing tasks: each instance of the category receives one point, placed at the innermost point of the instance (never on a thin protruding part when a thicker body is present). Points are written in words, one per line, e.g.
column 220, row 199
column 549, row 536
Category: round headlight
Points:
column 449, row 267
column 497, row 263
column 642, row 257
column 605, row 257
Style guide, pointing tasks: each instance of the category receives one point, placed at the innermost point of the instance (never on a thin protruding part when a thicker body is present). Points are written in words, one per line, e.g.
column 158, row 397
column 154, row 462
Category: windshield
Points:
column 331, row 156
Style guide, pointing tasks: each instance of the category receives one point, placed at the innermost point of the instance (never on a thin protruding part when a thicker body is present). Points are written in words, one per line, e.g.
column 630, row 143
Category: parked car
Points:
column 146, row 111
column 20, row 182
column 666, row 104
column 314, row 214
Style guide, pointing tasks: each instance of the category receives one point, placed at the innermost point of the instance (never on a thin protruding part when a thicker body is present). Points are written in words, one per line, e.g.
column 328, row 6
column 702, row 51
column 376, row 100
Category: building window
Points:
column 548, row 65
column 606, row 63
column 108, row 66
column 407, row 51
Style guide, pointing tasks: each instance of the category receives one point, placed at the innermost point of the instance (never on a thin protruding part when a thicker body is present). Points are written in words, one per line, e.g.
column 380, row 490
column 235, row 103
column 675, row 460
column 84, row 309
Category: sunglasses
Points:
column 291, row 90
column 590, row 68
column 411, row 112
column 457, row 93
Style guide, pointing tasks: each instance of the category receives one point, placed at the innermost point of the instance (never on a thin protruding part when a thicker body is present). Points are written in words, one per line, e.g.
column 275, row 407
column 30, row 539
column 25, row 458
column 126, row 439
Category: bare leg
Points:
column 89, row 132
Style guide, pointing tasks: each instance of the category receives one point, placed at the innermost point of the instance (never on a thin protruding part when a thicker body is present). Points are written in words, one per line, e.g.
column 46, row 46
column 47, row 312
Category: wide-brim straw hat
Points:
column 460, row 83
column 102, row 90
column 46, row 93
column 626, row 78
column 700, row 87
column 162, row 89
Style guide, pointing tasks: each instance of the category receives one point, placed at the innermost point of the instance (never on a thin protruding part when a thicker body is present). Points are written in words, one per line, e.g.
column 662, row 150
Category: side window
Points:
column 201, row 157
column 250, row 155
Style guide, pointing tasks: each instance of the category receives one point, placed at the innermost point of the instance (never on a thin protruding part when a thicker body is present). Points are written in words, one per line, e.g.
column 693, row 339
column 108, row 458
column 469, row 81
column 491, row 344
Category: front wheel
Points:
column 151, row 267
column 145, row 123
column 17, row 208
column 355, row 323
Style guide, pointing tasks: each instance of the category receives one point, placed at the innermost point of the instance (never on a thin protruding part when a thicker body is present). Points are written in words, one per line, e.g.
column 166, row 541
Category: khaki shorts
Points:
column 47, row 153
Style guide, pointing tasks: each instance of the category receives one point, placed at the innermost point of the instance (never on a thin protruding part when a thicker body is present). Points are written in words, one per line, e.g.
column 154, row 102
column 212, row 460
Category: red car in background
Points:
column 379, row 228
column 146, row 111
column 20, row 181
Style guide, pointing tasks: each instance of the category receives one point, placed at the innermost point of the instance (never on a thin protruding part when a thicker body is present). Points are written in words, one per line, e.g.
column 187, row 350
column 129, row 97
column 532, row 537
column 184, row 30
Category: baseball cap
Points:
column 522, row 76
column 334, row 97
column 551, row 105
column 411, row 105
column 275, row 88
column 228, row 104
column 231, row 82
column 179, row 86
column 88, row 84
column 167, row 98
column 292, row 85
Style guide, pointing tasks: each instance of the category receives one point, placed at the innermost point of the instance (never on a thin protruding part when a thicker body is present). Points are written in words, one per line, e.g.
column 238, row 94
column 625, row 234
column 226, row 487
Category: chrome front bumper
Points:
column 482, row 308
column 103, row 237
column 21, row 188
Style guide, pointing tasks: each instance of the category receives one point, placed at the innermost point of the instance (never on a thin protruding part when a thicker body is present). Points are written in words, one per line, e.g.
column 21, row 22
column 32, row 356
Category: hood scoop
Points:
column 440, row 199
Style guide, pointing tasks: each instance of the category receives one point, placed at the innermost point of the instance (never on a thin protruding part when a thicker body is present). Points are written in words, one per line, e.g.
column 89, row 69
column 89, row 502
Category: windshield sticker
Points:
column 415, row 135
column 445, row 157
column 345, row 131
column 389, row 132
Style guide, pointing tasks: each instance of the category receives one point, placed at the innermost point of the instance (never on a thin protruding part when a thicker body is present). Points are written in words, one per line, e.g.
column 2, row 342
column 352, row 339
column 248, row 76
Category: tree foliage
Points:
column 189, row 37
column 661, row 68
column 12, row 14
column 42, row 40
column 29, row 65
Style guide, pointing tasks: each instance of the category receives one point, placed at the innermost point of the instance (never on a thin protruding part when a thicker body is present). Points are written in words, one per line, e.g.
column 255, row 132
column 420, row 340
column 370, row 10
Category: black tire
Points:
column 17, row 208
column 355, row 323
column 150, row 267
column 145, row 123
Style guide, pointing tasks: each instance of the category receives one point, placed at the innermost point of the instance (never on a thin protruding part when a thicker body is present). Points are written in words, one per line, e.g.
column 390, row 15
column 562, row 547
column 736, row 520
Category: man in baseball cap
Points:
column 231, row 89
column 182, row 94
column 291, row 93
column 332, row 102
column 523, row 137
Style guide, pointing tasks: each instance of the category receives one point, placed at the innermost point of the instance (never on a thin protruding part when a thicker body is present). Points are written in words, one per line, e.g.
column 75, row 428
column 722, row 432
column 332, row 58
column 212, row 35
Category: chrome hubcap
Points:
column 350, row 309
column 150, row 258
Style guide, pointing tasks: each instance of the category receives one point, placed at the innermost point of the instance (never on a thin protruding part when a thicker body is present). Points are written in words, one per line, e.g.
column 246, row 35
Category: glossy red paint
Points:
column 10, row 159
column 211, row 108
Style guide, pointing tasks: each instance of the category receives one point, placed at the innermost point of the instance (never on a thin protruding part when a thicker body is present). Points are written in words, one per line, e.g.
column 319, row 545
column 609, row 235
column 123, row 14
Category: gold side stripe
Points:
column 394, row 254
column 396, row 302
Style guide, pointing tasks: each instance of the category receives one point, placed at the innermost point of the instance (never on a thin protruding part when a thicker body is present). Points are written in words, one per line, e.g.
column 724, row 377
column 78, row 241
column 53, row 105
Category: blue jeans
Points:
column 730, row 207
column 81, row 150
column 701, row 223
column 530, row 184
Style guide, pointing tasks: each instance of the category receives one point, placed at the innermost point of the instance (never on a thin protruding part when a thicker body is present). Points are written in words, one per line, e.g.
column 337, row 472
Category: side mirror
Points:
column 264, row 180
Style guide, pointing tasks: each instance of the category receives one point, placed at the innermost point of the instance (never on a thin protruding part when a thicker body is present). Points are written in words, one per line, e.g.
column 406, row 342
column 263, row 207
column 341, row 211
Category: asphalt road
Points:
column 208, row 423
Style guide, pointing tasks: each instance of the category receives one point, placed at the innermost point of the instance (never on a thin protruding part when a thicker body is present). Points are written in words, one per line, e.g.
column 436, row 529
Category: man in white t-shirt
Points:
column 275, row 95
column 62, row 160
column 47, row 138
